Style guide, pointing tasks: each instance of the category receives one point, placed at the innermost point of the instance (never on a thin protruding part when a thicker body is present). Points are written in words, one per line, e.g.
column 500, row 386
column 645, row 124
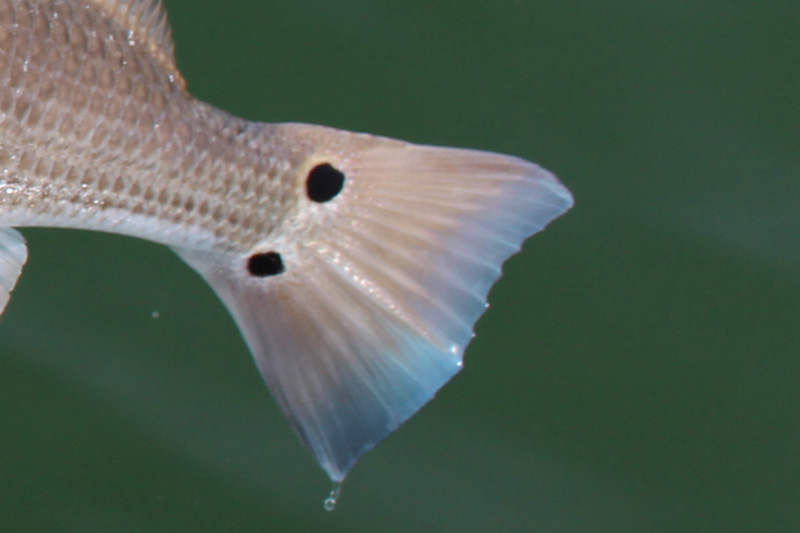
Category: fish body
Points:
column 355, row 266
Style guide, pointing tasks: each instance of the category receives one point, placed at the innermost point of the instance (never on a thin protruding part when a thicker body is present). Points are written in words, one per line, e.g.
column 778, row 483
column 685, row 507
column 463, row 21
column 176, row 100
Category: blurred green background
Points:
column 638, row 370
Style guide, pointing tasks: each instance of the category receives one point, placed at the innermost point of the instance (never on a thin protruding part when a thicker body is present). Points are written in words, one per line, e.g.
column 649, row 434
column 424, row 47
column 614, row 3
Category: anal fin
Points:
column 13, row 254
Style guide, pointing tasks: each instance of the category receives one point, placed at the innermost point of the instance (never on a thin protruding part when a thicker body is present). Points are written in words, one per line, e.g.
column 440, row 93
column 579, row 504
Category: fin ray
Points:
column 146, row 21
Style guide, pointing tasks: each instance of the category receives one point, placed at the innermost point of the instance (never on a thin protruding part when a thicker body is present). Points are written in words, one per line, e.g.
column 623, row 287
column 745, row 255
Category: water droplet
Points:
column 155, row 314
column 330, row 502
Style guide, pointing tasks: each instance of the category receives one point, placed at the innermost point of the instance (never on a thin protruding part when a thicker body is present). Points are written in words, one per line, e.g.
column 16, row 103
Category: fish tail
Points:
column 375, row 298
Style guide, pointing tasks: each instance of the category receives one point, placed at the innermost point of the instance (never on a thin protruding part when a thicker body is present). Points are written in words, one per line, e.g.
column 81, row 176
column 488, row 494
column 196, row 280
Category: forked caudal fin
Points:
column 382, row 286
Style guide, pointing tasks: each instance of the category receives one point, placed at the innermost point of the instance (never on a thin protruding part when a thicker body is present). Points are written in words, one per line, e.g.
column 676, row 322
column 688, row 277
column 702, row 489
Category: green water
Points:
column 638, row 370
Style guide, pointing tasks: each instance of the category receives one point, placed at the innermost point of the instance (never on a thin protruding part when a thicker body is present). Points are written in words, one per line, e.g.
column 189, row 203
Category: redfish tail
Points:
column 376, row 300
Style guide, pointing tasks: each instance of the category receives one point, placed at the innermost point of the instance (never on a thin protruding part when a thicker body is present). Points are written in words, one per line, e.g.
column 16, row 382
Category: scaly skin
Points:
column 96, row 133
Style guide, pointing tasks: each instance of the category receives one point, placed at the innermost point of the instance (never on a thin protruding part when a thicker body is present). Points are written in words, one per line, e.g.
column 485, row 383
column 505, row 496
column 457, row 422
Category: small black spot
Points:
column 266, row 264
column 324, row 183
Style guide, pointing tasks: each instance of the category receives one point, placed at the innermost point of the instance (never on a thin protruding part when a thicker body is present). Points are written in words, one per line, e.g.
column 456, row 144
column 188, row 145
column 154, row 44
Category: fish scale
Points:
column 132, row 141
column 355, row 266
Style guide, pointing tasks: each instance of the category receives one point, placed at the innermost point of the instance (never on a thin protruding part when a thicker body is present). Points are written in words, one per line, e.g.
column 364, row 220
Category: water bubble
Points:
column 330, row 502
column 155, row 314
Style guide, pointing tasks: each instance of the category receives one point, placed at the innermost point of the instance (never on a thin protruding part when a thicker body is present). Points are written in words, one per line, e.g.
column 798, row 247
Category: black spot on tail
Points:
column 266, row 264
column 324, row 183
